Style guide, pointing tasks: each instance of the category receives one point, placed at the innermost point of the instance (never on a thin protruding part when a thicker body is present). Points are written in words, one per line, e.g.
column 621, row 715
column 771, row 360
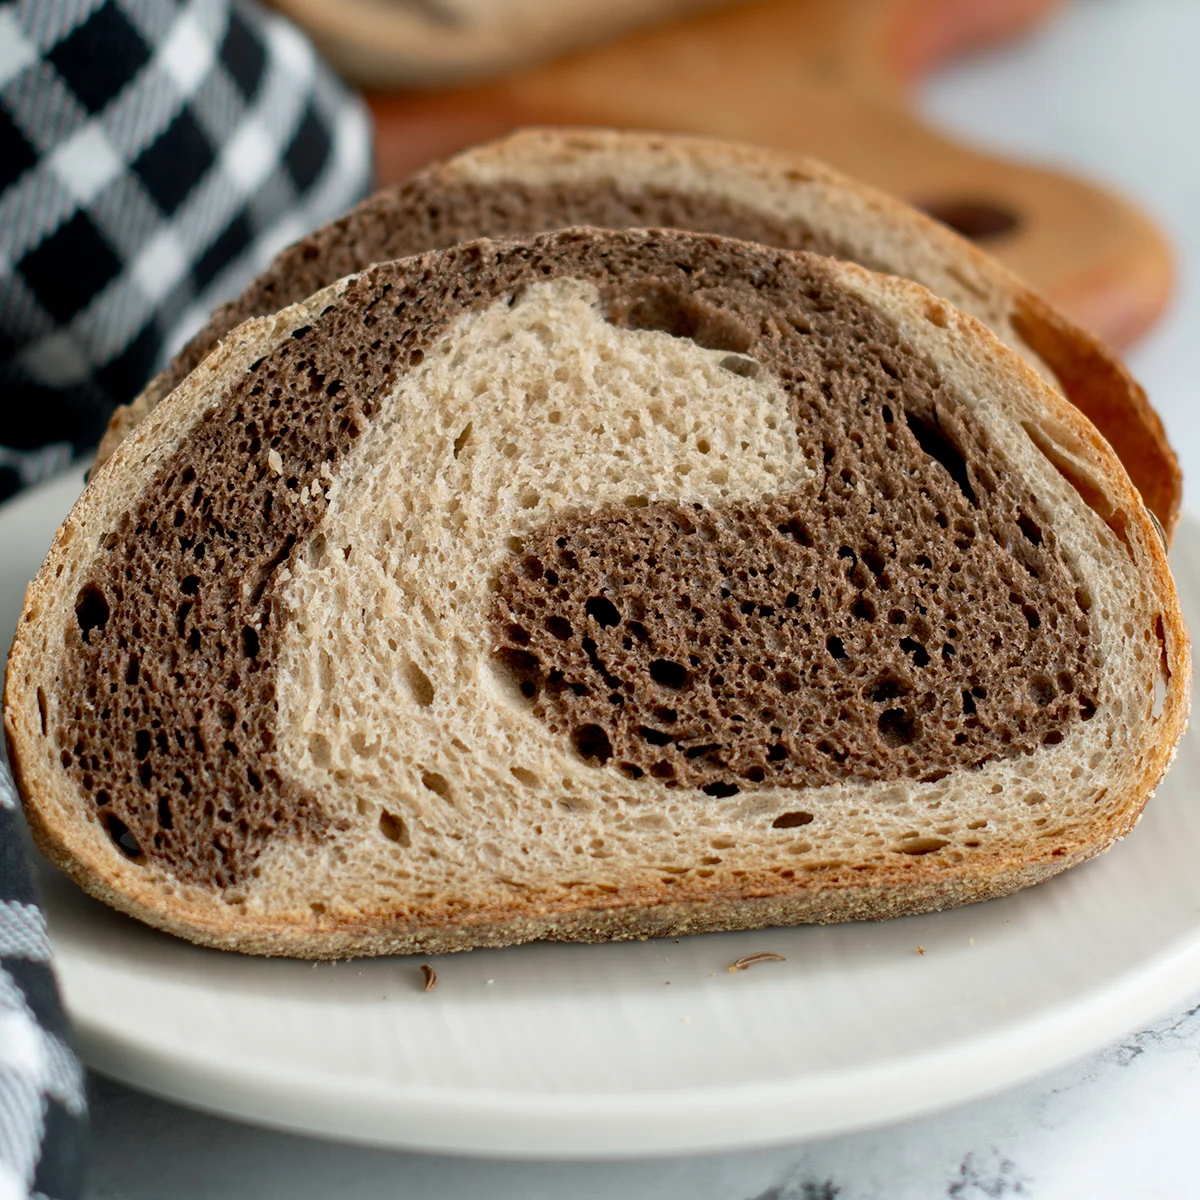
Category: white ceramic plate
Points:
column 572, row 1051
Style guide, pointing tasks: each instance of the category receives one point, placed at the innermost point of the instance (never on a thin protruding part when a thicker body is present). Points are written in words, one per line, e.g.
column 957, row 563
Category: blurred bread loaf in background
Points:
column 431, row 43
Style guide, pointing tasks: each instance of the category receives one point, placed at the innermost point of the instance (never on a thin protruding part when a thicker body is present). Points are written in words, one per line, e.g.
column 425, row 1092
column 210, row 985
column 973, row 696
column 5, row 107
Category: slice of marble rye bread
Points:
column 589, row 586
column 545, row 179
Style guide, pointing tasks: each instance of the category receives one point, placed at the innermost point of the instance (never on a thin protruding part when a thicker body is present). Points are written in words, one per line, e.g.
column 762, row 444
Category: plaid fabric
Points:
column 42, row 1114
column 154, row 155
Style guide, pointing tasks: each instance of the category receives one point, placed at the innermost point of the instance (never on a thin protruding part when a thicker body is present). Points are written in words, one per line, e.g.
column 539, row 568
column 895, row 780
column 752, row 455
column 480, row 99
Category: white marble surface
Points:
column 1112, row 89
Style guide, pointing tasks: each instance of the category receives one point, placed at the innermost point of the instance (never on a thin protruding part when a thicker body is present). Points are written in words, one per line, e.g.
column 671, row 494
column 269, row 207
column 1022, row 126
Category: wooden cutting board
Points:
column 829, row 78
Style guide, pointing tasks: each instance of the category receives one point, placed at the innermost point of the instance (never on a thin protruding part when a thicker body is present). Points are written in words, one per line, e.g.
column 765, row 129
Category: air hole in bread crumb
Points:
column 462, row 439
column 792, row 820
column 41, row 704
column 524, row 776
column 1163, row 677
column 921, row 845
column 1034, row 797
column 394, row 829
column 91, row 610
column 560, row 628
column 864, row 610
column 602, row 611
column 318, row 909
column 592, row 742
column 897, row 727
column 786, row 681
column 797, row 531
column 669, row 674
column 683, row 316
column 314, row 552
column 720, row 789
column 436, row 783
column 938, row 446
column 249, row 641
column 520, row 670
column 1030, row 529
column 1042, row 690
column 418, row 684
column 747, row 368
column 320, row 750
column 121, row 837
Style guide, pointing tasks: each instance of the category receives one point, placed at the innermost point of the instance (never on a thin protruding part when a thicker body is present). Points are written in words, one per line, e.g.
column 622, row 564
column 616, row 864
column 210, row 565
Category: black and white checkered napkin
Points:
column 42, row 1112
column 154, row 155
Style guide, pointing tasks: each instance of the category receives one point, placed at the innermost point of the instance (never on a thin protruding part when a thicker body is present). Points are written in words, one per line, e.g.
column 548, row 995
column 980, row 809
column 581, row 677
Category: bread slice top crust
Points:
column 543, row 179
column 589, row 586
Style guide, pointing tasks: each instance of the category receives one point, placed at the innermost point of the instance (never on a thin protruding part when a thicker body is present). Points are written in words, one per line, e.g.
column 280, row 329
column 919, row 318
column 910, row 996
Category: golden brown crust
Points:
column 826, row 893
column 127, row 417
column 826, row 898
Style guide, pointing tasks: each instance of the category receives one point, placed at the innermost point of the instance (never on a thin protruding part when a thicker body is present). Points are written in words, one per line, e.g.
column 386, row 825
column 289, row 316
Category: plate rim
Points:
column 728, row 1117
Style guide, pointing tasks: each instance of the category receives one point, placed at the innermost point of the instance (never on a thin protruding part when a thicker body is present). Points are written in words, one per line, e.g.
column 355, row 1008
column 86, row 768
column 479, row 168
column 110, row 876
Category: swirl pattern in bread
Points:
column 587, row 586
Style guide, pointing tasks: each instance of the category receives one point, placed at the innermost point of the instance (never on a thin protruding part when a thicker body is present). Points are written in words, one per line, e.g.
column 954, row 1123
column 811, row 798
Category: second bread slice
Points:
column 544, row 179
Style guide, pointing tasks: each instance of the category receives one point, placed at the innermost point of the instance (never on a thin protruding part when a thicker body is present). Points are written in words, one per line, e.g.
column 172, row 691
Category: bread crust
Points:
column 882, row 232
column 826, row 893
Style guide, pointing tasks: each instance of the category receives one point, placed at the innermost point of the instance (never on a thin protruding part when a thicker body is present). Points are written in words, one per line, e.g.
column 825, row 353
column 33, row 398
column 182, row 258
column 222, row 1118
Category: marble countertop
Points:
column 1110, row 88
